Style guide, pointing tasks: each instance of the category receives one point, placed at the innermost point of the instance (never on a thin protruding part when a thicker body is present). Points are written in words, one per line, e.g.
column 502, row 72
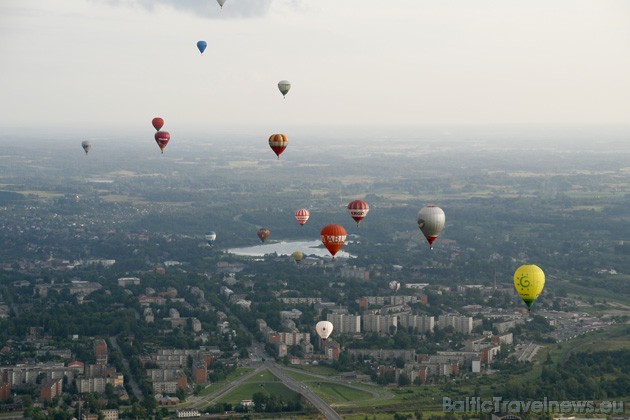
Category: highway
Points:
column 302, row 389
column 257, row 352
column 200, row 402
column 293, row 384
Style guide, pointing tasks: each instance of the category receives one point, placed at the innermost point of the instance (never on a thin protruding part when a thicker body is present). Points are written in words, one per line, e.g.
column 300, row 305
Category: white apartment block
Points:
column 420, row 323
column 461, row 324
column 345, row 323
column 380, row 323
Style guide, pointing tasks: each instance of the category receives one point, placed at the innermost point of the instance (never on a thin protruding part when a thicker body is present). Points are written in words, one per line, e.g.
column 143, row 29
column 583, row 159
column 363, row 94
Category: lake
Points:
column 287, row 248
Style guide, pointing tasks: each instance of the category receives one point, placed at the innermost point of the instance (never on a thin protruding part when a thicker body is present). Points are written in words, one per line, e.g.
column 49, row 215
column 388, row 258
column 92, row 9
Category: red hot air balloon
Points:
column 278, row 142
column 162, row 138
column 302, row 216
column 158, row 123
column 358, row 209
column 333, row 237
column 263, row 234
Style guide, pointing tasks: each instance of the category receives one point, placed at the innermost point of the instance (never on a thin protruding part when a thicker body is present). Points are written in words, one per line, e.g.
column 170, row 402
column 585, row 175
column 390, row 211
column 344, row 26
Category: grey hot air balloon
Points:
column 284, row 86
column 431, row 221
column 221, row 3
column 86, row 146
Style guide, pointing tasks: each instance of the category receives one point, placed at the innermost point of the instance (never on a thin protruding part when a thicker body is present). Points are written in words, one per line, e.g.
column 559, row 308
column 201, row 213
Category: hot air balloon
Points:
column 284, row 86
column 86, row 146
column 324, row 329
column 221, row 3
column 302, row 216
column 298, row 256
column 201, row 45
column 431, row 221
column 263, row 234
column 529, row 281
column 333, row 237
column 278, row 142
column 394, row 285
column 162, row 138
column 358, row 209
column 158, row 123
column 211, row 236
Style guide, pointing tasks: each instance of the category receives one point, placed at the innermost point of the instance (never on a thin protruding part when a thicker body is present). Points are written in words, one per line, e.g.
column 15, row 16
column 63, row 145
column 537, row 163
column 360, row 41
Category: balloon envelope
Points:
column 302, row 216
column 221, row 3
column 201, row 45
column 157, row 123
column 529, row 281
column 324, row 329
column 211, row 236
column 298, row 256
column 358, row 209
column 394, row 285
column 284, row 86
column 333, row 237
column 162, row 138
column 431, row 221
column 86, row 146
column 263, row 234
column 278, row 142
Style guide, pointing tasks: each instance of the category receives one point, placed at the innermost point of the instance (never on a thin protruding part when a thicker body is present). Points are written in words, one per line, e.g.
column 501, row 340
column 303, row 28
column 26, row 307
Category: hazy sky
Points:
column 114, row 64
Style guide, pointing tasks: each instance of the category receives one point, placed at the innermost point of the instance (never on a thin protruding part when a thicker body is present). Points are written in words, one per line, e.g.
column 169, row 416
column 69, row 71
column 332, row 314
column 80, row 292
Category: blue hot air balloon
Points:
column 202, row 46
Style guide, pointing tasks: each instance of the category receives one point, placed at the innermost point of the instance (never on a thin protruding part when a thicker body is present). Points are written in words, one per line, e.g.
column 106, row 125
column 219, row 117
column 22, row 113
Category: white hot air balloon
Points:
column 284, row 86
column 324, row 329
column 221, row 3
column 431, row 221
column 394, row 285
column 211, row 236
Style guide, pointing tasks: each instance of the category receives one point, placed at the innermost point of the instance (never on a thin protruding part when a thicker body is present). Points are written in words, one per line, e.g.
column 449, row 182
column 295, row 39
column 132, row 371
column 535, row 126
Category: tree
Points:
column 181, row 394
column 403, row 379
column 260, row 401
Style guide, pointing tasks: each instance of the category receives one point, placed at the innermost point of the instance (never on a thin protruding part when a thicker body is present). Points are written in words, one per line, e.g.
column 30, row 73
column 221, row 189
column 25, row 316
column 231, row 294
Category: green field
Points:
column 319, row 370
column 246, row 391
column 263, row 377
column 337, row 393
column 304, row 377
column 231, row 377
column 615, row 338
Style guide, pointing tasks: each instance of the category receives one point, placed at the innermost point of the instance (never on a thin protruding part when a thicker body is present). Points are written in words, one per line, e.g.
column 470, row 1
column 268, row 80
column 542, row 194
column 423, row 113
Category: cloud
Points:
column 203, row 8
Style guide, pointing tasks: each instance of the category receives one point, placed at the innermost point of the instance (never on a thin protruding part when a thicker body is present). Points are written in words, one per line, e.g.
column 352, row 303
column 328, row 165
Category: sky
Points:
column 115, row 64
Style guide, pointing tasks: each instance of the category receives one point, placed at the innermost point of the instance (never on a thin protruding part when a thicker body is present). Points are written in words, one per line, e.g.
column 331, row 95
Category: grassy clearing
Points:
column 246, row 391
column 336, row 393
column 230, row 378
column 265, row 376
column 615, row 338
column 304, row 377
column 598, row 294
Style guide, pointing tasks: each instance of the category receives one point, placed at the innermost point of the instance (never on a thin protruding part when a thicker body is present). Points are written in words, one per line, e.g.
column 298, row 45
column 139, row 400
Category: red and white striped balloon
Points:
column 358, row 209
column 302, row 216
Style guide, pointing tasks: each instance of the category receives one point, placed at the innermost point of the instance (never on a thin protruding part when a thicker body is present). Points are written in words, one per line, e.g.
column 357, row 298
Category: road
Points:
column 257, row 351
column 132, row 381
column 320, row 405
column 376, row 395
column 200, row 402
column 302, row 389
column 529, row 352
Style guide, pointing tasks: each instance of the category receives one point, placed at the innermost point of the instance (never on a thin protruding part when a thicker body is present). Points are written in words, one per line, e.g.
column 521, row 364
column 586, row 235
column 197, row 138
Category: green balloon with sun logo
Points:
column 529, row 281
